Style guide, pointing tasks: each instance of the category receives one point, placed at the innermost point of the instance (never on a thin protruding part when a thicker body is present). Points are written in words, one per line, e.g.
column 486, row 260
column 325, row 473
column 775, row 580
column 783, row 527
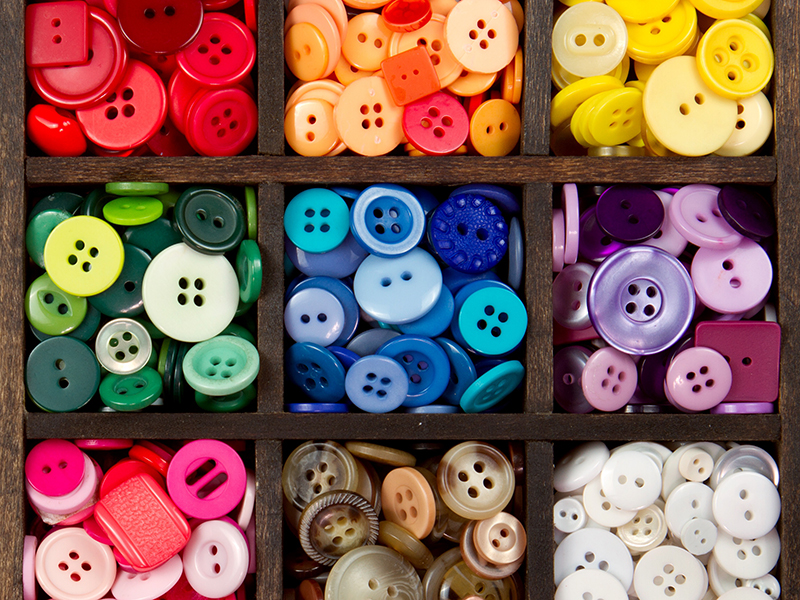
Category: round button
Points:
column 249, row 271
column 62, row 374
column 366, row 43
column 314, row 315
column 651, row 42
column 387, row 220
column 222, row 365
column 124, row 296
column 589, row 39
column 481, row 36
column 570, row 288
column 317, row 16
column 52, row 311
column 367, row 119
column 492, row 386
column 595, row 244
column 437, row 320
column 136, row 210
column 211, row 221
column 494, row 128
column 746, row 505
column 160, row 26
column 377, row 384
column 306, row 51
column 223, row 53
column 630, row 213
column 576, row 585
column 54, row 467
column 666, row 569
column 645, row 531
column 215, row 559
column 317, row 467
column 753, row 127
column 131, row 392
column 343, row 295
column 406, row 15
column 436, row 125
column 123, row 346
column 221, row 122
column 593, row 549
column 695, row 213
column 316, row 371
column 747, row 558
column 631, row 480
column 491, row 321
column 407, row 500
column 747, row 212
column 462, row 370
column 698, row 379
column 609, row 379
column 152, row 584
column 426, row 366
column 39, row 228
column 433, row 38
column 405, row 543
column 316, row 220
column 568, row 365
column 309, row 127
column 580, row 466
column 373, row 571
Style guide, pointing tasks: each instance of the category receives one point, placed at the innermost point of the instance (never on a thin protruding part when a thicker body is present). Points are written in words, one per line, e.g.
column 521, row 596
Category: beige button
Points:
column 480, row 566
column 753, row 127
column 500, row 539
column 310, row 129
column 372, row 572
column 432, row 37
column 366, row 44
column 368, row 120
column 482, row 35
column 323, row 21
column 590, row 39
column 317, row 467
column 403, row 541
column 408, row 500
column 369, row 485
column 381, row 454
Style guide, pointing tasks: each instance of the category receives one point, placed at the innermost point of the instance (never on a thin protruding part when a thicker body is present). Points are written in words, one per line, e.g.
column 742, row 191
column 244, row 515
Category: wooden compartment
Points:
column 533, row 171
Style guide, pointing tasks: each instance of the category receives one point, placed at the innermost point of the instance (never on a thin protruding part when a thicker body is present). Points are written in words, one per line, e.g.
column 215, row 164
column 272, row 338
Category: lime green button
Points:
column 221, row 366
column 248, row 271
column 39, row 229
column 131, row 392
column 136, row 188
column 52, row 311
column 225, row 404
column 132, row 210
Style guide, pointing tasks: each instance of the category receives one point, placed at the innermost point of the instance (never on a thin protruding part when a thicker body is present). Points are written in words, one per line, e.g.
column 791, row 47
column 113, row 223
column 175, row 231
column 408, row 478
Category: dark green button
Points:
column 136, row 188
column 155, row 332
column 94, row 203
column 134, row 391
column 252, row 212
column 38, row 230
column 248, row 271
column 153, row 237
column 59, row 201
column 51, row 310
column 62, row 374
column 239, row 331
column 84, row 331
column 124, row 297
column 225, row 404
column 182, row 392
column 210, row 220
column 169, row 370
column 243, row 308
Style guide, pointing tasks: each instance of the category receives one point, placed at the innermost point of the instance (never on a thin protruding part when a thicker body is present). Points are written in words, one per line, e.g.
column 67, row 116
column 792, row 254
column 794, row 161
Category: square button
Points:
column 410, row 75
column 57, row 34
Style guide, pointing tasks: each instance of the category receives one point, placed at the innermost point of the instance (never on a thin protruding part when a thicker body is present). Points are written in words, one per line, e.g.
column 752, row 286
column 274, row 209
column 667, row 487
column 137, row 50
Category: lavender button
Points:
column 568, row 365
column 743, row 408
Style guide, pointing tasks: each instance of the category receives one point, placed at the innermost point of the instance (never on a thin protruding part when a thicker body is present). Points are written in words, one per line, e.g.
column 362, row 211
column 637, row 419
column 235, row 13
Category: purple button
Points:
column 595, row 243
column 568, row 366
column 340, row 262
column 652, row 371
column 667, row 238
column 569, row 296
column 630, row 213
column 559, row 237
column 314, row 315
column 55, row 467
column 570, row 204
column 609, row 379
column 641, row 300
column 648, row 409
column 743, row 408
column 698, row 379
column 695, row 214
column 747, row 212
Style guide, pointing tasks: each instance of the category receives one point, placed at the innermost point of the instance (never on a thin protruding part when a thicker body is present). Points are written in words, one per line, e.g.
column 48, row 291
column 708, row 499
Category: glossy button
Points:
column 343, row 295
column 317, row 467
column 481, row 36
column 570, row 288
column 407, row 500
column 314, row 315
column 316, row 220
column 211, row 221
column 155, row 583
column 589, row 39
column 316, row 371
column 54, row 467
column 221, row 122
column 695, row 213
column 494, row 128
column 136, row 210
column 411, row 75
column 650, row 42
column 123, row 346
column 436, row 125
column 367, row 119
column 590, row 548
column 52, row 311
column 698, row 379
column 426, row 365
column 56, row 34
column 306, row 51
column 609, row 379
column 491, row 387
column 160, row 26
column 55, row 131
column 215, row 559
column 753, row 127
column 223, row 52
column 370, row 570
column 131, row 392
column 630, row 213
column 433, row 38
column 124, row 297
column 310, row 129
column 377, row 384
column 746, row 505
column 387, row 220
column 492, row 321
column 62, row 374
column 747, row 212
column 222, row 365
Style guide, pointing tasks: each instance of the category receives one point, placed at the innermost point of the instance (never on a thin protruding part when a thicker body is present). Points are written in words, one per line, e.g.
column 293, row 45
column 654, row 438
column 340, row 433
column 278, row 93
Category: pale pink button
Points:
column 67, row 503
column 243, row 513
column 609, row 379
column 72, row 566
column 148, row 586
column 698, row 379
column 668, row 238
column 694, row 212
column 250, row 534
column 55, row 467
column 29, row 568
column 559, row 239
column 732, row 281
column 572, row 216
column 216, row 559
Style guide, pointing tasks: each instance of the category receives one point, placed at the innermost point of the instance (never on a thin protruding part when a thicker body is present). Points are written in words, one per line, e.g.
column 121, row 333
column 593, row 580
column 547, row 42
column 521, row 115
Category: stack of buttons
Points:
column 702, row 68
column 158, row 523
column 642, row 520
column 131, row 266
column 380, row 80
column 386, row 527
column 141, row 77
column 673, row 286
column 420, row 268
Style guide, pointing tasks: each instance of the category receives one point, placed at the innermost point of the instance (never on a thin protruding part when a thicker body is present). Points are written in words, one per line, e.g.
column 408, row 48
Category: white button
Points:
column 744, row 458
column 689, row 500
column 569, row 515
column 631, row 480
column 593, row 549
column 587, row 583
column 746, row 504
column 696, row 465
column 698, row 536
column 579, row 466
column 747, row 559
column 150, row 585
column 645, row 531
column 215, row 559
column 767, row 584
column 600, row 509
column 669, row 571
column 719, row 579
column 123, row 346
column 671, row 476
column 744, row 594
column 657, row 452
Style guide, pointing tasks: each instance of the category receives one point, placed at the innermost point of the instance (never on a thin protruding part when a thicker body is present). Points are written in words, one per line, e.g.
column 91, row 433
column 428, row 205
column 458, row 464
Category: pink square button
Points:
column 57, row 34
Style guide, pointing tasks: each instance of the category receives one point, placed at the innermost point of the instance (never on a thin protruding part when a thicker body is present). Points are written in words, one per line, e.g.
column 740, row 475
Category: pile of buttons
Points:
column 637, row 271
column 141, row 77
column 139, row 520
column 334, row 498
column 121, row 277
column 381, row 80
column 648, row 522
column 421, row 268
column 701, row 69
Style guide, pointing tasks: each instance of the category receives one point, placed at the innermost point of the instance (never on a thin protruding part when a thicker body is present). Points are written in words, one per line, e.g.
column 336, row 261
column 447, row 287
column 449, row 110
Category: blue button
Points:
column 432, row 409
column 490, row 388
column 367, row 342
column 426, row 364
column 316, row 371
column 340, row 262
column 345, row 356
column 343, row 294
column 425, row 197
column 490, row 318
column 316, row 407
column 314, row 315
column 516, row 254
column 316, row 220
column 377, row 384
column 436, row 321
column 387, row 220
column 349, row 194
column 455, row 280
column 462, row 371
column 501, row 197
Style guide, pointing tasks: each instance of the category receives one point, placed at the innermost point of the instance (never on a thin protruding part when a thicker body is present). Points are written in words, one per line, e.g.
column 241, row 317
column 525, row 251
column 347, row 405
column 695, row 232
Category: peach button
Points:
column 432, row 36
column 482, row 35
column 366, row 4
column 72, row 566
column 347, row 73
column 367, row 119
column 512, row 79
column 500, row 539
column 366, row 44
column 494, row 128
column 324, row 89
column 472, row 84
column 336, row 9
column 322, row 20
column 310, row 128
column 408, row 501
column 306, row 52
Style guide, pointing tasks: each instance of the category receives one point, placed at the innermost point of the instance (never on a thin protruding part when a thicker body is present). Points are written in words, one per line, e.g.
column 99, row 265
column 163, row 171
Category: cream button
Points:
column 590, row 39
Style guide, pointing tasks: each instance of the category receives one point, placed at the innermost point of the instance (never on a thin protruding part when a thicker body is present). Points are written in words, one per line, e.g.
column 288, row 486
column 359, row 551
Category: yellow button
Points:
column 512, row 79
column 347, row 73
column 683, row 113
column 323, row 21
column 366, row 44
column 636, row 11
column 643, row 70
column 306, row 52
column 651, row 145
column 482, row 35
column 432, row 37
column 762, row 27
column 570, row 98
column 589, row 39
column 652, row 43
column 83, row 255
column 735, row 59
column 726, row 9
column 494, row 128
column 616, row 118
column 753, row 126
column 574, row 2
column 561, row 78
column 580, row 121
column 310, row 129
column 472, row 84
column 639, row 85
column 367, row 119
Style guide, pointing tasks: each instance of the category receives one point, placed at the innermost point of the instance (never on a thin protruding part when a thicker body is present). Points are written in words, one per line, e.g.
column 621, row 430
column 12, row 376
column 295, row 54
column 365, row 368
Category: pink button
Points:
column 216, row 559
column 243, row 513
column 68, row 503
column 29, row 568
column 609, row 379
column 222, row 122
column 148, row 586
column 195, row 479
column 105, row 444
column 559, row 239
column 96, row 532
column 72, row 566
column 698, row 379
column 694, row 212
column 55, row 467
column 436, row 124
column 223, row 53
column 668, row 238
column 732, row 281
column 572, row 216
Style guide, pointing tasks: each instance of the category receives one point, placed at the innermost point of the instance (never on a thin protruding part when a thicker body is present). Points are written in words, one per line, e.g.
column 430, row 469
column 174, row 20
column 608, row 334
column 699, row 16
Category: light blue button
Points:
column 425, row 363
column 343, row 294
column 490, row 388
column 314, row 315
column 491, row 321
column 316, row 220
column 432, row 409
column 398, row 290
column 516, row 254
column 387, row 220
column 316, row 371
column 377, row 384
column 436, row 321
column 462, row 370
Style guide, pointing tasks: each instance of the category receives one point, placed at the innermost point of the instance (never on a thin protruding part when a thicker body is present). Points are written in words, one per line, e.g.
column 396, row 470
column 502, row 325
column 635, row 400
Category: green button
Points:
column 225, row 404
column 162, row 355
column 124, row 297
column 221, row 366
column 239, row 331
column 251, row 206
column 134, row 391
column 248, row 270
column 94, row 203
column 58, row 201
column 182, row 392
column 210, row 220
column 155, row 332
column 243, row 308
column 51, row 310
column 169, row 200
column 84, row 332
column 62, row 374
column 136, row 188
column 132, row 210
column 39, row 229
column 153, row 237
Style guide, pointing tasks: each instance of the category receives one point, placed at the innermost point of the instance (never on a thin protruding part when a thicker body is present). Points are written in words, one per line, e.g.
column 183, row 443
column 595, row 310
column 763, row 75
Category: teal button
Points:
column 248, row 271
column 317, row 220
column 226, row 404
column 51, row 310
column 491, row 387
column 39, row 229
column 221, row 366
column 136, row 188
column 93, row 204
column 62, row 374
column 492, row 321
column 135, row 391
column 153, row 237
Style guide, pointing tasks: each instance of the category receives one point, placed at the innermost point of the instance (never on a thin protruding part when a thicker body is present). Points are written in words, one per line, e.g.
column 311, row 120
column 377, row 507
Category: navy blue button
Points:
column 468, row 233
column 433, row 409
column 595, row 244
column 436, row 321
column 377, row 384
column 426, row 364
column 345, row 356
column 62, row 374
column 316, row 371
column 316, row 407
column 340, row 262
column 425, row 197
column 630, row 213
column 387, row 220
column 455, row 280
column 462, row 371
column 568, row 366
column 747, row 212
column 501, row 197
column 342, row 293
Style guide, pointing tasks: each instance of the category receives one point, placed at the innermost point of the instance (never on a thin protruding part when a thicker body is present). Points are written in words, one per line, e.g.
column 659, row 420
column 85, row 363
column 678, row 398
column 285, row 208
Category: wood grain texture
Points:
column 536, row 91
column 758, row 170
column 269, row 520
column 539, row 520
column 270, row 78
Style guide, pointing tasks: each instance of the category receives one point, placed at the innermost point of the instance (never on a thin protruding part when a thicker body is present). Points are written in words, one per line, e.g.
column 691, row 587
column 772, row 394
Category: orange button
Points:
column 324, row 89
column 306, row 52
column 432, row 37
column 408, row 501
column 310, row 128
column 482, row 35
column 336, row 9
column 347, row 73
column 512, row 79
column 366, row 44
column 323, row 21
column 472, row 84
column 367, row 119
column 410, row 75
column 494, row 128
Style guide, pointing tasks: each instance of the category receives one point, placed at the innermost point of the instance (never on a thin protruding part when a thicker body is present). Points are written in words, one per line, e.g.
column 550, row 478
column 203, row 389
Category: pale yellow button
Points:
column 310, row 129
column 564, row 104
column 336, row 9
column 616, row 118
column 324, row 89
column 652, row 43
column 753, row 126
column 323, row 21
column 482, row 35
column 562, row 78
column 367, row 119
column 306, row 52
column 347, row 73
column 636, row 11
column 590, row 39
column 683, row 113
column 431, row 36
column 643, row 70
column 494, row 128
column 512, row 79
column 726, row 9
column 735, row 59
column 366, row 44
column 472, row 84
column 651, row 145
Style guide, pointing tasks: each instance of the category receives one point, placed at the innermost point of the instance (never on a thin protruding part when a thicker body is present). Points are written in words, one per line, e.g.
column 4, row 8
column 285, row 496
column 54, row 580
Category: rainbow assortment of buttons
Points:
column 136, row 77
column 691, row 521
column 637, row 270
column 379, row 80
column 334, row 500
column 132, row 266
column 420, row 268
column 152, row 522
column 701, row 70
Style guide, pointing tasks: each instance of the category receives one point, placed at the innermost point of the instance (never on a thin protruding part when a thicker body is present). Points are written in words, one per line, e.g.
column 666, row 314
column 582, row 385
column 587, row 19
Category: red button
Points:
column 163, row 64
column 407, row 15
column 55, row 131
column 222, row 122
column 436, row 125
column 182, row 89
column 124, row 470
column 83, row 85
column 160, row 26
column 56, row 34
column 223, row 53
column 169, row 141
column 251, row 14
column 131, row 115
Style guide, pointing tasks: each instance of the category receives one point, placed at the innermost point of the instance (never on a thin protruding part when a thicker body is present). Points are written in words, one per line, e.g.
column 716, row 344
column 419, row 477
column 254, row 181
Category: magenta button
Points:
column 55, row 467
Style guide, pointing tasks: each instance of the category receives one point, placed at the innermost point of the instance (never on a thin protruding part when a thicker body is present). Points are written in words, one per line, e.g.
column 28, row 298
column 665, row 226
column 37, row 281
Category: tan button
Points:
column 494, row 128
column 366, row 4
column 381, row 454
column 369, row 485
column 462, row 582
column 323, row 21
column 403, row 541
column 442, row 512
column 367, row 118
column 347, row 73
column 475, row 480
column 310, row 129
column 482, row 35
column 317, row 467
column 500, row 539
column 366, row 44
column 512, row 79
column 408, row 500
column 323, row 89
column 432, row 36
column 481, row 567
column 306, row 52
column 472, row 84
column 336, row 9
column 372, row 572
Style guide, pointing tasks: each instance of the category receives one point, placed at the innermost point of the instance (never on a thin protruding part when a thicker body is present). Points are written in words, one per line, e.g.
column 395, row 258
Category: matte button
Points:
column 377, row 384
column 407, row 500
column 160, row 26
column 62, row 374
column 387, row 220
column 425, row 363
column 210, row 220
column 223, row 53
column 316, row 371
column 368, row 120
column 698, row 379
column 56, row 34
column 695, row 213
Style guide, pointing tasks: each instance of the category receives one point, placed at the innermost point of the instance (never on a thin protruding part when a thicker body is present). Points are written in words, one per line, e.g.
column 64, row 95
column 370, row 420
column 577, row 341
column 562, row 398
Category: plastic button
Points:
column 367, row 119
column 589, row 39
column 494, row 128
column 215, row 559
column 160, row 26
column 124, row 297
column 407, row 500
column 51, row 310
column 62, row 374
column 222, row 365
column 491, row 321
column 211, row 221
column 387, row 220
column 630, row 213
column 747, row 212
column 131, row 392
column 698, row 379
column 377, row 384
column 54, row 467
column 223, row 53
column 436, row 125
column 316, row 220
column 316, row 371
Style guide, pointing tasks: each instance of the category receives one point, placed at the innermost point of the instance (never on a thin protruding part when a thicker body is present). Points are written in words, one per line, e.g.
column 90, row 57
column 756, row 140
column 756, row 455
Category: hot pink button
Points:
column 104, row 444
column 734, row 280
column 559, row 238
column 222, row 122
column 55, row 467
column 216, row 558
column 148, row 586
column 223, row 53
column 609, row 379
column 29, row 568
column 698, row 379
column 206, row 479
column 436, row 124
column 694, row 212
column 72, row 501
column 572, row 216
column 97, row 533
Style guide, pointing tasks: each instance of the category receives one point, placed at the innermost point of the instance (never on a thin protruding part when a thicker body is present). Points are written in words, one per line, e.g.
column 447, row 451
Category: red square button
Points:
column 56, row 34
column 410, row 76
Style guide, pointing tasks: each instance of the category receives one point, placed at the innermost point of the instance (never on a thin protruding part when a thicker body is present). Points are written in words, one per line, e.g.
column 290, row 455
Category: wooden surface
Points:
column 534, row 171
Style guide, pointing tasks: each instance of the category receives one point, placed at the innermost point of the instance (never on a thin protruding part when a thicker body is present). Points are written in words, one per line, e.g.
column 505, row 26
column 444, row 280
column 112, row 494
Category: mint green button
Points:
column 132, row 210
column 225, row 404
column 248, row 271
column 221, row 366
column 39, row 229
column 134, row 391
column 317, row 220
column 51, row 310
column 136, row 188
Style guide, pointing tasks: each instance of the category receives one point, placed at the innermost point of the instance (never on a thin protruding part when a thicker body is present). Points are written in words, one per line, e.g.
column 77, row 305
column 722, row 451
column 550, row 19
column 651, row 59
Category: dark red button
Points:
column 55, row 131
column 160, row 26
column 56, row 34
column 223, row 53
column 222, row 122
column 163, row 64
column 218, row 4
column 169, row 141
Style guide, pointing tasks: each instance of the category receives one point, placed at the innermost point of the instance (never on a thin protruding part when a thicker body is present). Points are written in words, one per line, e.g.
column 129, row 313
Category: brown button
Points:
column 500, row 539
